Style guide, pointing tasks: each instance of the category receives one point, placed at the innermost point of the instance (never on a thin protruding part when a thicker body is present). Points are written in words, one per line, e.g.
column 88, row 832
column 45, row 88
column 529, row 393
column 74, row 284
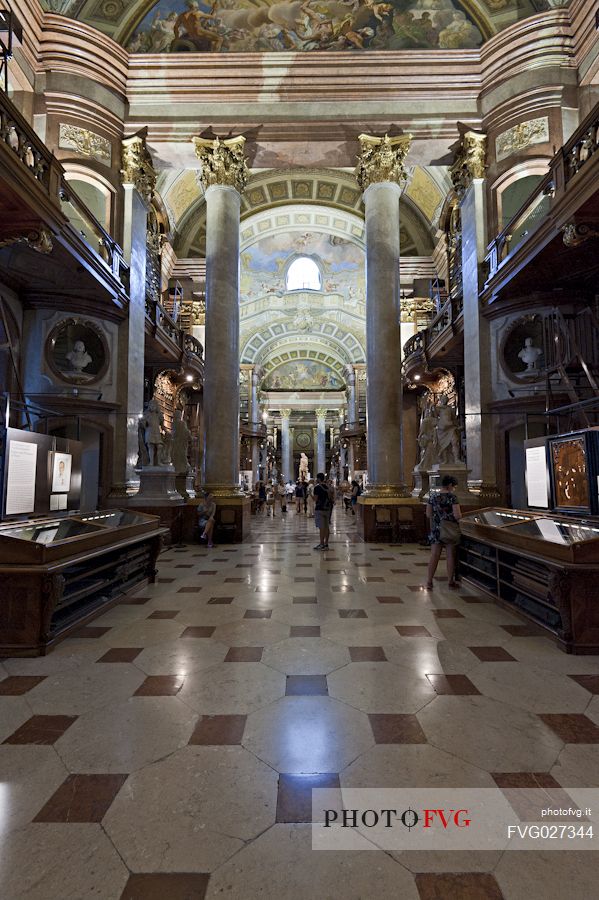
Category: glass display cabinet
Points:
column 58, row 573
column 543, row 566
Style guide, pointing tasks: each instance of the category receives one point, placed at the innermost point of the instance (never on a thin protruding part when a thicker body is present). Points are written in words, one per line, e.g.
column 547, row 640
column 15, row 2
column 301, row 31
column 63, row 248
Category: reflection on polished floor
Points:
column 168, row 749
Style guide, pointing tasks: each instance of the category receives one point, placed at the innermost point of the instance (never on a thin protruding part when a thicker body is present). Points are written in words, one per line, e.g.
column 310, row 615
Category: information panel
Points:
column 20, row 482
column 536, row 477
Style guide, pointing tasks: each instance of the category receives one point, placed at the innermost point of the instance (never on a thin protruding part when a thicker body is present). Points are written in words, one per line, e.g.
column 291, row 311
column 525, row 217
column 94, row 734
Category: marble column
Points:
column 467, row 173
column 352, row 406
column 321, row 440
column 380, row 173
column 224, row 175
column 286, row 457
column 255, row 419
column 138, row 178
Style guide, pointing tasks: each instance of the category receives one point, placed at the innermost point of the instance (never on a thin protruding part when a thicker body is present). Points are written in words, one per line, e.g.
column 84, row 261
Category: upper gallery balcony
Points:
column 50, row 240
column 544, row 247
column 440, row 343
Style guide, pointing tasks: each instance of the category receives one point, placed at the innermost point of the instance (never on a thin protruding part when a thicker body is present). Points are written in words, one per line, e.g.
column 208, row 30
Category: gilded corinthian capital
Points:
column 382, row 159
column 469, row 161
column 223, row 162
column 138, row 168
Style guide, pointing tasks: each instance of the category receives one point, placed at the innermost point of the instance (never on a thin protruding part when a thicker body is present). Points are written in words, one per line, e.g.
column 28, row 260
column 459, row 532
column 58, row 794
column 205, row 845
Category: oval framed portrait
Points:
column 303, row 439
column 77, row 351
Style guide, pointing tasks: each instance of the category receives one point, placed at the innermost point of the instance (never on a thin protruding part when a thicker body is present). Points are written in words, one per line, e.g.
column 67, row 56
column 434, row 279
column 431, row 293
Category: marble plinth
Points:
column 185, row 486
column 421, row 484
column 157, row 487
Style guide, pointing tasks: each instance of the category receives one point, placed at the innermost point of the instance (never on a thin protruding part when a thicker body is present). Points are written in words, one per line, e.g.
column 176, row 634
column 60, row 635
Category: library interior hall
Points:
column 299, row 449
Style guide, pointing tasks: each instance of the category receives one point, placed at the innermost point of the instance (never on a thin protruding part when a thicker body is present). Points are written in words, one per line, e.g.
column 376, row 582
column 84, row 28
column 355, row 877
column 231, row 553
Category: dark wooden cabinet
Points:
column 543, row 567
column 57, row 574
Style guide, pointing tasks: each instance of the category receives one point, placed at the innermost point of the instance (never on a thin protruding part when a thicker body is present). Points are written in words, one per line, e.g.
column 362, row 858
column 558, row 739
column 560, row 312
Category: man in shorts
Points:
column 323, row 497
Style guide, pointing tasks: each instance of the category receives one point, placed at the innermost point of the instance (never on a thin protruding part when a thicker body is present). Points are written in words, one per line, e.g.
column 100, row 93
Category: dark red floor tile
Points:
column 160, row 686
column 468, row 599
column 16, row 685
column 400, row 571
column 164, row 614
column 82, row 798
column 447, row 614
column 573, row 728
column 306, row 686
column 257, row 614
column 218, row 730
column 304, row 631
column 184, row 566
column 524, row 780
column 244, row 654
column 453, row 684
column 207, row 572
column 166, row 886
column 120, row 655
column 372, row 578
column 492, row 654
column 465, row 886
column 352, row 613
column 90, row 631
column 199, row 631
column 590, row 682
column 413, row 631
column 521, row 630
column 220, row 601
column 266, row 589
column 190, row 589
column 41, row 730
column 165, row 580
column 342, row 589
column 367, row 654
column 304, row 579
column 389, row 599
column 294, row 797
column 392, row 728
column 305, row 600
column 234, row 580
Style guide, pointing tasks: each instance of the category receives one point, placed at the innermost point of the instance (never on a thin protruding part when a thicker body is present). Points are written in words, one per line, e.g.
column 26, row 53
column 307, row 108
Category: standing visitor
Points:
column 261, row 496
column 299, row 496
column 356, row 490
column 310, row 499
column 323, row 496
column 270, row 499
column 443, row 511
column 282, row 496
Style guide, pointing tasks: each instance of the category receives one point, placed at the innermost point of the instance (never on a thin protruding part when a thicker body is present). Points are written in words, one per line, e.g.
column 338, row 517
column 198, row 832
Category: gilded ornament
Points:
column 469, row 161
column 576, row 234
column 85, row 143
column 223, row 162
column 382, row 159
column 535, row 131
column 39, row 240
column 138, row 168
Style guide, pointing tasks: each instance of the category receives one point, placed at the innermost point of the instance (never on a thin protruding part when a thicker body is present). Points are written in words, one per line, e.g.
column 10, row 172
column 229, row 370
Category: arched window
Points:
column 303, row 275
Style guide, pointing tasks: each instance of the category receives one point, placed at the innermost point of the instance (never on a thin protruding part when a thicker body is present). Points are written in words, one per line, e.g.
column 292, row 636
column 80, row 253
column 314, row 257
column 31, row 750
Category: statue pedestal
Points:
column 157, row 487
column 457, row 470
column 185, row 485
column 420, row 490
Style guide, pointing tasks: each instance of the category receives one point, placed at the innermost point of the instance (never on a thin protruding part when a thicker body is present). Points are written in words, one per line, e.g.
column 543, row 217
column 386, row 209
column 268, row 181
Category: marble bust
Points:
column 530, row 355
column 78, row 357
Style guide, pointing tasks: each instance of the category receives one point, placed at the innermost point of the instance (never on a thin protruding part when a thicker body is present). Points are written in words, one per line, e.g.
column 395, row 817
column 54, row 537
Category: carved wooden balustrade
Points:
column 182, row 347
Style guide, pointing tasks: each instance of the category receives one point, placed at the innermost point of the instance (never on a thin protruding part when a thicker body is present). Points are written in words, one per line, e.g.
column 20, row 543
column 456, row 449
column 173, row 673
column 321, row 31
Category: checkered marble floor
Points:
column 168, row 750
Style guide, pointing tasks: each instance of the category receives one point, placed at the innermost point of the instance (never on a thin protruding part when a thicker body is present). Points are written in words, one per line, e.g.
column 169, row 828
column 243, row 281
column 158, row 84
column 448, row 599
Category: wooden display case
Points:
column 543, row 567
column 59, row 573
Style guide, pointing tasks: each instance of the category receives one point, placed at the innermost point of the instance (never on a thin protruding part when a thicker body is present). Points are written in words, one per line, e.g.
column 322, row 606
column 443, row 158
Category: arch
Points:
column 303, row 274
column 96, row 192
column 534, row 168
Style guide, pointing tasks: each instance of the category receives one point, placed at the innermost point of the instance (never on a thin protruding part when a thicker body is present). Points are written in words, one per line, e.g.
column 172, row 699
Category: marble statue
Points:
column 181, row 436
column 142, row 451
column 304, row 474
column 448, row 433
column 530, row 355
column 427, row 441
column 333, row 473
column 165, row 450
column 78, row 357
column 153, row 425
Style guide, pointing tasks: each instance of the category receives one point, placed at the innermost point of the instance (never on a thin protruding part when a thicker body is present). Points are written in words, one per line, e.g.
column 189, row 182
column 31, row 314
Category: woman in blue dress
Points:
column 442, row 506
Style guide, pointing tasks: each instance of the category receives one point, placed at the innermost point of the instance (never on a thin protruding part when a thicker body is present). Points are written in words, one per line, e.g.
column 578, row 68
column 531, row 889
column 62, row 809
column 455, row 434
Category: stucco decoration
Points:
column 85, row 143
column 519, row 137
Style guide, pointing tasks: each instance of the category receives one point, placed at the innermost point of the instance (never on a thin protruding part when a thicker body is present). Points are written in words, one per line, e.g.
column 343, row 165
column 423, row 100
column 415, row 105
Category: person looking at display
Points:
column 443, row 512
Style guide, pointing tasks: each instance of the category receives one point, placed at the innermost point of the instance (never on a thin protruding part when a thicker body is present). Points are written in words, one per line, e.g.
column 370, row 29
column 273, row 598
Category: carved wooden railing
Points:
column 88, row 227
column 351, row 429
column 567, row 163
column 161, row 322
column 422, row 344
column 253, row 429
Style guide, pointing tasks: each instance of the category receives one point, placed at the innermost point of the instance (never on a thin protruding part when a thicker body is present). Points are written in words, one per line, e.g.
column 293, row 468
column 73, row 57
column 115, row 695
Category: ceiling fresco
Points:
column 264, row 264
column 221, row 26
